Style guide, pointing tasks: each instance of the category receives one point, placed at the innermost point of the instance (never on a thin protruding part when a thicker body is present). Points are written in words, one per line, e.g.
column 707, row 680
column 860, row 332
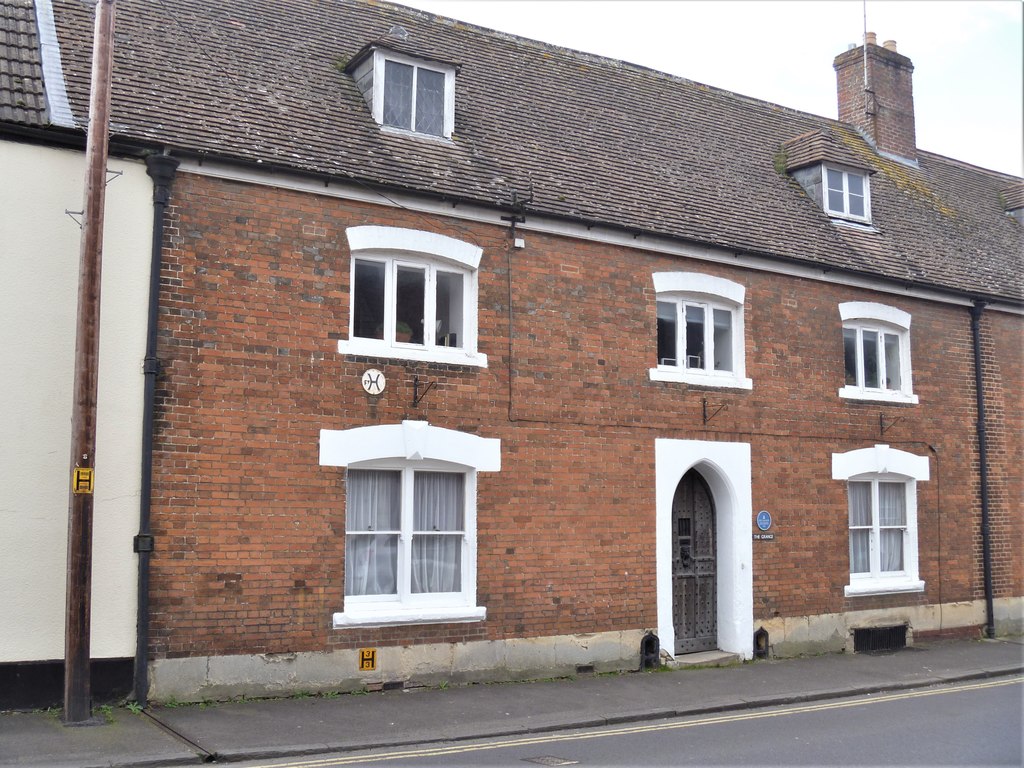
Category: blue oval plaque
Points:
column 764, row 520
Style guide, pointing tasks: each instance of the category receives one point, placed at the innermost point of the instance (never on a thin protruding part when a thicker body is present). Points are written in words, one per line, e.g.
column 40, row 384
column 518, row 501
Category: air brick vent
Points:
column 880, row 639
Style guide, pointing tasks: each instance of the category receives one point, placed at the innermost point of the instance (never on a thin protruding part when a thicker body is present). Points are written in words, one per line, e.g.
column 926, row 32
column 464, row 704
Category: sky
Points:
column 968, row 56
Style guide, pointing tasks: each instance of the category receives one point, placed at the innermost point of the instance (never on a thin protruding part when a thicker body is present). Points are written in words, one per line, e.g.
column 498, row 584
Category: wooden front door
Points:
column 694, row 591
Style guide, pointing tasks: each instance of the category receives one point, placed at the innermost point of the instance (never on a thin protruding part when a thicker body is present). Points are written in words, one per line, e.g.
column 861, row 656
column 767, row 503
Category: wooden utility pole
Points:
column 77, row 693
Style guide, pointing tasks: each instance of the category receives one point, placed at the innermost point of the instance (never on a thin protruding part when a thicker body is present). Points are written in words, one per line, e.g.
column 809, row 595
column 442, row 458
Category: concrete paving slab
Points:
column 41, row 740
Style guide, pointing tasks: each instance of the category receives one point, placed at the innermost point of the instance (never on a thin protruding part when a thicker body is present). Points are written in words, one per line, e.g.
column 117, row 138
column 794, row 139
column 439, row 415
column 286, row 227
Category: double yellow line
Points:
column 669, row 725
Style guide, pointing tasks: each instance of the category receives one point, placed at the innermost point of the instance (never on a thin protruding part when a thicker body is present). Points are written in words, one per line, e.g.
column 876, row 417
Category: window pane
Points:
column 397, row 94
column 436, row 563
column 374, row 500
column 856, row 206
column 860, row 556
column 859, row 497
column 835, row 191
column 667, row 333
column 448, row 305
column 855, row 185
column 850, row 354
column 891, row 552
column 694, row 337
column 410, row 288
column 870, row 347
column 723, row 340
column 430, row 102
column 368, row 300
column 892, row 504
column 438, row 503
column 371, row 565
column 892, row 362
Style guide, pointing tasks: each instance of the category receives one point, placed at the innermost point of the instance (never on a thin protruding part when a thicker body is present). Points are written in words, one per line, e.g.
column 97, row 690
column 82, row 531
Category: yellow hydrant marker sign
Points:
column 81, row 480
column 367, row 659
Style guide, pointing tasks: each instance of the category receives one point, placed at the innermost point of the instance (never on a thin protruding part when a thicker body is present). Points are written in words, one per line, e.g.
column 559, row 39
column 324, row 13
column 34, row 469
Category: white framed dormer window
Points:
column 700, row 336
column 408, row 94
column 410, row 521
column 846, row 193
column 413, row 296
column 876, row 353
column 881, row 487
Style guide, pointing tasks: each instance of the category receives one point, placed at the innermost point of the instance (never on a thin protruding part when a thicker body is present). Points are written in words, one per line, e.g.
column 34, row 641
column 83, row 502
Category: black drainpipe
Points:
column 161, row 169
column 986, row 544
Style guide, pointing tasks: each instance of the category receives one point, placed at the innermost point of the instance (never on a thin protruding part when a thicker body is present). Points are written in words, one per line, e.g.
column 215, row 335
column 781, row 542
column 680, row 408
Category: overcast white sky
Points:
column 968, row 56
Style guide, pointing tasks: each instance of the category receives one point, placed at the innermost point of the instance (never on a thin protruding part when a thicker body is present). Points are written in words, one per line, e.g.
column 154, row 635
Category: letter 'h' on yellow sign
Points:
column 367, row 659
column 81, row 480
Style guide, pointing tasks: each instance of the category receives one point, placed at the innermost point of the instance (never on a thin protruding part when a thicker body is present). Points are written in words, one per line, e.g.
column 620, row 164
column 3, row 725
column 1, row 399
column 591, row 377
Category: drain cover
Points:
column 548, row 760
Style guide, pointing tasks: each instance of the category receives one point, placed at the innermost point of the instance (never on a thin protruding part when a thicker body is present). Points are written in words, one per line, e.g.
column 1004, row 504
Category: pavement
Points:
column 303, row 726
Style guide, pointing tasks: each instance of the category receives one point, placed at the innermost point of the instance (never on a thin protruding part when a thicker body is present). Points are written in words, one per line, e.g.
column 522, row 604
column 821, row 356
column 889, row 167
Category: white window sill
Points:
column 883, row 586
column 877, row 395
column 680, row 376
column 446, row 355
column 396, row 615
column 862, row 225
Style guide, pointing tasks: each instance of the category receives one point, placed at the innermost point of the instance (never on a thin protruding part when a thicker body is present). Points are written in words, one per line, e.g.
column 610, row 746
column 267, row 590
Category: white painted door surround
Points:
column 726, row 469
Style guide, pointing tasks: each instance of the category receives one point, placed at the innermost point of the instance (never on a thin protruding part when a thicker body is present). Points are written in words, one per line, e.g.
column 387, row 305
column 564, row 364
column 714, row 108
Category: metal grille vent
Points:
column 880, row 639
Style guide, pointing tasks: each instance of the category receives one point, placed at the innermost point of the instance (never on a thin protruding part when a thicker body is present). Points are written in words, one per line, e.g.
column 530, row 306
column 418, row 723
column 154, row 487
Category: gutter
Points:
column 986, row 539
column 161, row 168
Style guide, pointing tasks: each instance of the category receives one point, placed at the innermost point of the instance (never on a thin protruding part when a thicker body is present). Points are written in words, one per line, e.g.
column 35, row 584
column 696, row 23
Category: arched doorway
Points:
column 694, row 566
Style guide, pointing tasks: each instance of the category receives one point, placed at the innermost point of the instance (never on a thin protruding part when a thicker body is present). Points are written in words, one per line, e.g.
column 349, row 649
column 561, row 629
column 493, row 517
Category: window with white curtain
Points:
column 878, row 527
column 881, row 518
column 405, row 534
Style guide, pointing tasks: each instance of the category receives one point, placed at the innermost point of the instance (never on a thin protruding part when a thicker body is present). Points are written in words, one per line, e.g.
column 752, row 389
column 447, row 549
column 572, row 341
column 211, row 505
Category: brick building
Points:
column 495, row 381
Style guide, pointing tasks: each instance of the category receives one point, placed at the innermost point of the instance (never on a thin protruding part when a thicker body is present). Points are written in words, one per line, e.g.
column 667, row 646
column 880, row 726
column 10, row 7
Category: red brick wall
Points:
column 250, row 529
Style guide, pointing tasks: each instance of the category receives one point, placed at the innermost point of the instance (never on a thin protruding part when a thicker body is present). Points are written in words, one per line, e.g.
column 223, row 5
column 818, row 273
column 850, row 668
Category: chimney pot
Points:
column 890, row 45
column 870, row 38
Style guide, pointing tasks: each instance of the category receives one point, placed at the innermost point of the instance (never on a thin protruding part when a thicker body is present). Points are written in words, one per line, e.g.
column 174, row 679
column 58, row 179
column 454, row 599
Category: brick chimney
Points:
column 876, row 94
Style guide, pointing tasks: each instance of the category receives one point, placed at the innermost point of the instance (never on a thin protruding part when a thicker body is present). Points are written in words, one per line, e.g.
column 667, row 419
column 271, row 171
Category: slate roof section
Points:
column 596, row 140
column 22, row 97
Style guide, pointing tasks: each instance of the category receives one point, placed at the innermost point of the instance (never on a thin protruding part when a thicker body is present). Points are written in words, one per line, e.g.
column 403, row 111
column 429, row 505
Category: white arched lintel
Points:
column 412, row 440
column 414, row 242
column 879, row 460
column 869, row 310
column 697, row 283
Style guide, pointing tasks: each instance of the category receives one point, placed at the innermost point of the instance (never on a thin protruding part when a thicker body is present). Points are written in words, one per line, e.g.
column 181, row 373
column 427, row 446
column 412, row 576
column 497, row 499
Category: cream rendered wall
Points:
column 39, row 256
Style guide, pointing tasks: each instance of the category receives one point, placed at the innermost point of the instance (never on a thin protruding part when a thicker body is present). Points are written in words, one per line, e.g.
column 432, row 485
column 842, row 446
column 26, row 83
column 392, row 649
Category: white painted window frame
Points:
column 869, row 316
column 380, row 57
column 415, row 446
column 845, row 212
column 884, row 464
column 710, row 292
column 394, row 247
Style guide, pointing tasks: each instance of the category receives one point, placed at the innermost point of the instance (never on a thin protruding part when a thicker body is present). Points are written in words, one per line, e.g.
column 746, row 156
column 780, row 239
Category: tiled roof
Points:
column 1013, row 196
column 818, row 146
column 594, row 139
column 22, row 99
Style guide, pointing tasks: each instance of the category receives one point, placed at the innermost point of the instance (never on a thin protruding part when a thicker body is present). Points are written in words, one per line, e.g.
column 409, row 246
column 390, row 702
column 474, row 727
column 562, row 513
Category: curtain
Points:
column 892, row 520
column 860, row 537
column 438, row 525
column 372, row 522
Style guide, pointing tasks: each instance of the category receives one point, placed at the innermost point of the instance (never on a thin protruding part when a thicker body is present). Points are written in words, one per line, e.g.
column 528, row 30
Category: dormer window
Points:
column 405, row 93
column 846, row 194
